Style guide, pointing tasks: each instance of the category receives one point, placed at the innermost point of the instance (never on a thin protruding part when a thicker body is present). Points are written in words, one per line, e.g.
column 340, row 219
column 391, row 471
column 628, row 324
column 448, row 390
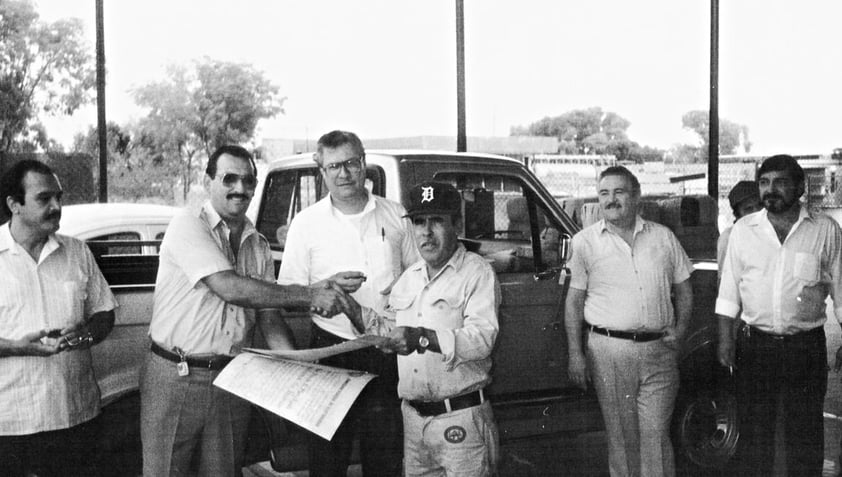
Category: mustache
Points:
column 53, row 215
column 237, row 196
column 613, row 205
column 771, row 195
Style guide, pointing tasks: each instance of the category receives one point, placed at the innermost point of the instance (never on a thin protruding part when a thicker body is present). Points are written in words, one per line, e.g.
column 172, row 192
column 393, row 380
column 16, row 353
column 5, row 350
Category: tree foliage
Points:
column 590, row 131
column 731, row 135
column 134, row 172
column 44, row 67
column 200, row 107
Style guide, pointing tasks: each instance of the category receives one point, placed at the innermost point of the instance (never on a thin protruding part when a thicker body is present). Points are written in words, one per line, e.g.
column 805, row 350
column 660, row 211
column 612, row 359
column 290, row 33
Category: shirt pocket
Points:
column 445, row 312
column 806, row 268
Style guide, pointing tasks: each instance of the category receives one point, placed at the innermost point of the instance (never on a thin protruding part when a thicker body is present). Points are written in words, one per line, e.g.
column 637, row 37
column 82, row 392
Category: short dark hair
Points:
column 11, row 184
column 782, row 162
column 621, row 171
column 231, row 150
column 335, row 139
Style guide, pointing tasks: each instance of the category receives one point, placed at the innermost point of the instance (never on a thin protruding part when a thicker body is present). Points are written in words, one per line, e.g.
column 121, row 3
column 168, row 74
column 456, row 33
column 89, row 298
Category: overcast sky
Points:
column 386, row 68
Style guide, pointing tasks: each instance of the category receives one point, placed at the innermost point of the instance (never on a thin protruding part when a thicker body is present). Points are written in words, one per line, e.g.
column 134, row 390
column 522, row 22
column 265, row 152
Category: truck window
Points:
column 289, row 191
column 504, row 223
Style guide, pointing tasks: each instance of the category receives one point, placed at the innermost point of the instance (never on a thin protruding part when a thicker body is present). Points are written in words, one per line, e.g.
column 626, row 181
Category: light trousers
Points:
column 636, row 384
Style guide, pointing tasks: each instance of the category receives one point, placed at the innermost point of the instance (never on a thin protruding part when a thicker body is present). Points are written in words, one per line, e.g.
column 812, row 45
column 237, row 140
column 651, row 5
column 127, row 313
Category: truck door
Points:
column 506, row 223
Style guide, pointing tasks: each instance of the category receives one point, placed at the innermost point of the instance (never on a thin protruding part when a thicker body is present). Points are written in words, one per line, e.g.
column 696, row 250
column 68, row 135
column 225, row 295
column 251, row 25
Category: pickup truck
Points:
column 516, row 224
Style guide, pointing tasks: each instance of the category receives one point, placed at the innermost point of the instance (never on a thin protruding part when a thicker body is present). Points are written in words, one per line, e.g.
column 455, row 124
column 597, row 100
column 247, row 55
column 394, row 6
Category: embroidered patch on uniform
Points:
column 454, row 434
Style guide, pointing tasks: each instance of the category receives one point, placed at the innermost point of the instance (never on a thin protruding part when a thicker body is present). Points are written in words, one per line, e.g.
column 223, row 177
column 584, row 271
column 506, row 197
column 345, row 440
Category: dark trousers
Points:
column 375, row 417
column 793, row 368
column 62, row 453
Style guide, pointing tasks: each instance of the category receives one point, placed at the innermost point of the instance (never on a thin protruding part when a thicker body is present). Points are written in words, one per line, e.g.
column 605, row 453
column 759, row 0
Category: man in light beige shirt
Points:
column 623, row 270
column 780, row 266
column 215, row 283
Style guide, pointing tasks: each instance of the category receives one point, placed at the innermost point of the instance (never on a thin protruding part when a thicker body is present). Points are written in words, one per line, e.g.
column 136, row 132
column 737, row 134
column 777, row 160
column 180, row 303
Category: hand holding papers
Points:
column 314, row 396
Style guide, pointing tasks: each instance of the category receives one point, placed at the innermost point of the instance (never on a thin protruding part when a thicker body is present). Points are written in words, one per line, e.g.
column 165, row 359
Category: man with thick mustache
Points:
column 215, row 282
column 362, row 242
column 623, row 269
column 54, row 305
column 781, row 264
column 446, row 311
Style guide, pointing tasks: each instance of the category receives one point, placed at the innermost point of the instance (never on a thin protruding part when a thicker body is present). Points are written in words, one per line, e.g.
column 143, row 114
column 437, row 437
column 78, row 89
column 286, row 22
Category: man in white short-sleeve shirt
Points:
column 362, row 242
column 54, row 305
column 215, row 282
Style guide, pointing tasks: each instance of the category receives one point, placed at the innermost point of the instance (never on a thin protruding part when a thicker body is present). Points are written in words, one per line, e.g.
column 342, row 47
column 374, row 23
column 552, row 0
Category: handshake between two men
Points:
column 332, row 296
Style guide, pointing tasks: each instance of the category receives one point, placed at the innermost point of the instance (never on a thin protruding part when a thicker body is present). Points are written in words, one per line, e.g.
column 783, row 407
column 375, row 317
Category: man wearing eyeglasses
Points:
column 215, row 281
column 362, row 242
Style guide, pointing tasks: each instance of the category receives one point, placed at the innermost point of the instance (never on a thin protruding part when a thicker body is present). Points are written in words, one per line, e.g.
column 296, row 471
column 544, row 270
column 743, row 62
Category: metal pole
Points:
column 102, row 132
column 461, row 135
column 713, row 142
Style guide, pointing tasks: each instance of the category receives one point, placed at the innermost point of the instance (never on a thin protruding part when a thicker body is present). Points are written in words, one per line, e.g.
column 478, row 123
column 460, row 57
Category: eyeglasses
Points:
column 248, row 180
column 353, row 165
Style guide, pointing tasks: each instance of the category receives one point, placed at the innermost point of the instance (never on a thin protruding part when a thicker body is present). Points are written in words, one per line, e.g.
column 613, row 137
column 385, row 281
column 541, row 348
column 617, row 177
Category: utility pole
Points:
column 713, row 121
column 461, row 134
column 102, row 132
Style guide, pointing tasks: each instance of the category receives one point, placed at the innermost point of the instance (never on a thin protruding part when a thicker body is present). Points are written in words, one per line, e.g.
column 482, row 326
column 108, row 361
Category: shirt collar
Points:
column 639, row 224
column 758, row 218
column 455, row 262
column 7, row 242
column 369, row 205
column 213, row 219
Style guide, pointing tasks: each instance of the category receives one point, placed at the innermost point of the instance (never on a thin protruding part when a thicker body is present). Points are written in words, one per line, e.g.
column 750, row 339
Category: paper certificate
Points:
column 315, row 354
column 314, row 396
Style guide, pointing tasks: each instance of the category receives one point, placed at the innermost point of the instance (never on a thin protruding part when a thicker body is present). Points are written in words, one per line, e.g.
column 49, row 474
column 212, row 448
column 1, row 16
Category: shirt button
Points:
column 415, row 370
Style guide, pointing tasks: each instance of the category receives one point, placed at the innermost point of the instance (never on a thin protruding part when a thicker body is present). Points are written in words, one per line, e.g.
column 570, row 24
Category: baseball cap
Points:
column 434, row 198
column 743, row 190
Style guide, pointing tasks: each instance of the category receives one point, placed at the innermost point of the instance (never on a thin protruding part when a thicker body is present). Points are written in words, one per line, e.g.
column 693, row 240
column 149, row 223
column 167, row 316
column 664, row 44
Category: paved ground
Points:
column 585, row 455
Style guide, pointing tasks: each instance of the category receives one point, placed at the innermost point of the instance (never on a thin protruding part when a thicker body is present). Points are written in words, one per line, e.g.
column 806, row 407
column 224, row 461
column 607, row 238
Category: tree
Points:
column 134, row 172
column 44, row 68
column 195, row 110
column 731, row 135
column 590, row 131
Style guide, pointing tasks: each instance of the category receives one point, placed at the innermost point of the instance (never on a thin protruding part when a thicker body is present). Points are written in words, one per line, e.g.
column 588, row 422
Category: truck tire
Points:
column 705, row 426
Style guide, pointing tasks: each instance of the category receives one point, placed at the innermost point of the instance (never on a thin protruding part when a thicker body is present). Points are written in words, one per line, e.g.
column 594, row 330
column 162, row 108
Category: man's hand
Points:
column 673, row 338
column 838, row 364
column 328, row 299
column 29, row 345
column 403, row 340
column 577, row 370
column 726, row 352
column 348, row 281
column 76, row 336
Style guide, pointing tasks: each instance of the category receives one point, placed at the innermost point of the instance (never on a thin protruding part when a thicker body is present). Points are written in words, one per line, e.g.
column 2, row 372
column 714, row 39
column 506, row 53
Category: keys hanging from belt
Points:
column 181, row 366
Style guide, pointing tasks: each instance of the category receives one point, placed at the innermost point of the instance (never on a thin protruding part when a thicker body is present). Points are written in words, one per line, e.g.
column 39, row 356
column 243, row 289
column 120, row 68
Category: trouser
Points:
column 180, row 415
column 461, row 443
column 67, row 452
column 793, row 368
column 375, row 417
column 636, row 384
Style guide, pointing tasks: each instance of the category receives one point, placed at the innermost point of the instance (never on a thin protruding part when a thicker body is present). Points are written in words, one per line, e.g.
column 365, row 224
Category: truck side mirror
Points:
column 564, row 249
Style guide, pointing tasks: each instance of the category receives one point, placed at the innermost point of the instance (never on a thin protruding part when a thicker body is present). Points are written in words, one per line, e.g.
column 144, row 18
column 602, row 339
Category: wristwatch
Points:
column 423, row 341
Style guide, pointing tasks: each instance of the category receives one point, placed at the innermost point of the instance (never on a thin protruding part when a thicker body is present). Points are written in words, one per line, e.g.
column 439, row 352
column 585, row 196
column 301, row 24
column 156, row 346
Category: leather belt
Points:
column 435, row 408
column 636, row 336
column 214, row 363
column 754, row 332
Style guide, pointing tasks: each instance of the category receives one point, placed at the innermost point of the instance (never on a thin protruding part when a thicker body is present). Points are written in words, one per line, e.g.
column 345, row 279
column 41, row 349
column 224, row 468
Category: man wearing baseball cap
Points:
column 744, row 199
column 446, row 316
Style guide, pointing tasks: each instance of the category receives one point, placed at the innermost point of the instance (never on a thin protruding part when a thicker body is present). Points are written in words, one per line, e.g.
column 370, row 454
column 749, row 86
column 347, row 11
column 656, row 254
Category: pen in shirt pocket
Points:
column 382, row 234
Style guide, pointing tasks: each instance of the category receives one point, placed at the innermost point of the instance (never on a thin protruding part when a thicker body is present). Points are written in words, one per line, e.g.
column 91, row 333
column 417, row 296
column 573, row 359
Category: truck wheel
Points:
column 706, row 431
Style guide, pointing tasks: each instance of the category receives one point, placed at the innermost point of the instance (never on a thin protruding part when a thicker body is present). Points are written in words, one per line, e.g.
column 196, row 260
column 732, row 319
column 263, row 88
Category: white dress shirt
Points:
column 322, row 241
column 782, row 287
column 64, row 287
